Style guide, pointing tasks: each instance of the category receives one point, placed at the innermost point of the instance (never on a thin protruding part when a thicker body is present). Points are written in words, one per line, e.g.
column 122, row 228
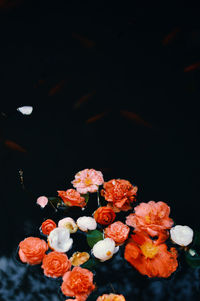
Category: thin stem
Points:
column 98, row 199
column 53, row 206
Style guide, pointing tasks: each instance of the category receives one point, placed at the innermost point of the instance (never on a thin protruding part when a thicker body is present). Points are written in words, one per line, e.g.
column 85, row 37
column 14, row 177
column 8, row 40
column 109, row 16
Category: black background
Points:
column 117, row 53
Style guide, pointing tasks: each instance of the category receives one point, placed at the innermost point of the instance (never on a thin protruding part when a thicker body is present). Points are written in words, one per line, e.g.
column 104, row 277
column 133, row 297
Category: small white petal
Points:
column 181, row 235
column 26, row 110
column 86, row 223
column 104, row 249
column 116, row 249
column 59, row 239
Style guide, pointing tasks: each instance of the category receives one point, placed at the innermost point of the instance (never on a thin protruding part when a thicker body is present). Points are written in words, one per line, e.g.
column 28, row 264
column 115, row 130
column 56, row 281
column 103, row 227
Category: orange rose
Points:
column 111, row 297
column 55, row 264
column 104, row 215
column 71, row 197
column 32, row 250
column 78, row 283
column 48, row 226
column 120, row 194
column 118, row 232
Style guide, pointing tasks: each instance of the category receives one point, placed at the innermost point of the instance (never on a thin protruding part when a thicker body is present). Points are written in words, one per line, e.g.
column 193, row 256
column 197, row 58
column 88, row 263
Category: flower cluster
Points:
column 152, row 243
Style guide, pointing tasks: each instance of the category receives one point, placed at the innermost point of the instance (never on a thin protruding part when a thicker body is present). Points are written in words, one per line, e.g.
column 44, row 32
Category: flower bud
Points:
column 181, row 235
column 59, row 240
column 104, row 249
column 69, row 224
column 86, row 223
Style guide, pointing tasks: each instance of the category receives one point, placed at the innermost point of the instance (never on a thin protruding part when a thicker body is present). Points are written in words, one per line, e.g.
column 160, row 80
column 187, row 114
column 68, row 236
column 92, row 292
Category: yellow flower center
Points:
column 149, row 249
column 108, row 253
column 148, row 219
column 88, row 181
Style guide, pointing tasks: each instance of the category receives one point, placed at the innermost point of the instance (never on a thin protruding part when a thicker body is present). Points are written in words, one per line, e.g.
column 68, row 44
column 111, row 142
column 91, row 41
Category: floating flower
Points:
column 69, row 224
column 104, row 215
column 26, row 110
column 88, row 180
column 32, row 250
column 71, row 197
column 118, row 232
column 79, row 258
column 47, row 226
column 78, row 283
column 104, row 249
column 181, row 235
column 86, row 223
column 42, row 201
column 55, row 264
column 120, row 194
column 111, row 297
column 149, row 257
column 150, row 217
column 59, row 240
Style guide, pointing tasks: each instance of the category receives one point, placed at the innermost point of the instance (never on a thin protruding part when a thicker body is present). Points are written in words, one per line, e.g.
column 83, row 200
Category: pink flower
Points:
column 88, row 180
column 42, row 201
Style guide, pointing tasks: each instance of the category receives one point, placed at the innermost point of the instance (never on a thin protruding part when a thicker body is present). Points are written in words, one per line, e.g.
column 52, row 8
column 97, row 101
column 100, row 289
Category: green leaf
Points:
column 93, row 237
column 86, row 197
column 192, row 258
column 90, row 264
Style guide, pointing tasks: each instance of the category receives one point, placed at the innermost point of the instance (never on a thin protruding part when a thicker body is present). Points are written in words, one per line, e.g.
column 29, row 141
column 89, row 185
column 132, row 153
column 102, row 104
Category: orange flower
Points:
column 78, row 283
column 111, row 297
column 118, row 232
column 55, row 264
column 120, row 194
column 150, row 217
column 149, row 257
column 71, row 197
column 32, row 250
column 48, row 226
column 104, row 215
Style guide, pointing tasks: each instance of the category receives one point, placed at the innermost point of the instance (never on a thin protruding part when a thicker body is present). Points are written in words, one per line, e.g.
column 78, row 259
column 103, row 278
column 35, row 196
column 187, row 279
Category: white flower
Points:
column 69, row 224
column 59, row 240
column 26, row 110
column 104, row 249
column 181, row 235
column 86, row 223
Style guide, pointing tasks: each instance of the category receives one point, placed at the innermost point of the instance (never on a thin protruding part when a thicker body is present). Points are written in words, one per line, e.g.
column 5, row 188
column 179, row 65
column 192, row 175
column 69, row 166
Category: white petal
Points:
column 104, row 249
column 59, row 239
column 26, row 110
column 181, row 235
column 86, row 223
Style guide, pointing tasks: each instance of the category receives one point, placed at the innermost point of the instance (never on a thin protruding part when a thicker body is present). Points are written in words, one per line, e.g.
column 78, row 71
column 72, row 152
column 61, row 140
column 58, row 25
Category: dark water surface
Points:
column 50, row 58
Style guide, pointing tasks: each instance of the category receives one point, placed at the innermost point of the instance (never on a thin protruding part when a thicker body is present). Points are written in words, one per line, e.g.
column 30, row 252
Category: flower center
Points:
column 148, row 219
column 149, row 249
column 108, row 253
column 88, row 181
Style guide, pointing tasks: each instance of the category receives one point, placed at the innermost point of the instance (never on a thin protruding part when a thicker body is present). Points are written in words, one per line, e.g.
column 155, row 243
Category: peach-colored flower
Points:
column 120, row 194
column 79, row 258
column 149, row 257
column 42, row 201
column 118, row 232
column 55, row 264
column 78, row 283
column 88, row 180
column 47, row 226
column 150, row 217
column 111, row 297
column 32, row 250
column 104, row 215
column 71, row 197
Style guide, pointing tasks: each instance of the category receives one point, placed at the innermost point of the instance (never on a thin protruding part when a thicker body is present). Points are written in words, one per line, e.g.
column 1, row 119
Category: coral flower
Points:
column 150, row 217
column 149, row 257
column 32, row 250
column 118, row 232
column 71, row 197
column 47, row 226
column 88, row 180
column 120, row 194
column 78, row 283
column 111, row 297
column 104, row 215
column 55, row 264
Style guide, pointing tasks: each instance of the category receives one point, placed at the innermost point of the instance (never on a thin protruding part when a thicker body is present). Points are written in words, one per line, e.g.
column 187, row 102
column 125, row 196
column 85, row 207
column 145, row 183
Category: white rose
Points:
column 86, row 223
column 69, row 224
column 59, row 240
column 104, row 249
column 181, row 235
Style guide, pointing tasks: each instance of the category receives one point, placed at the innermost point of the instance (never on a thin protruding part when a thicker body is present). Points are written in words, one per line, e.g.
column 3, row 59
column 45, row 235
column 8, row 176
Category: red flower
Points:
column 71, row 197
column 118, row 232
column 104, row 215
column 120, row 194
column 48, row 226
column 55, row 264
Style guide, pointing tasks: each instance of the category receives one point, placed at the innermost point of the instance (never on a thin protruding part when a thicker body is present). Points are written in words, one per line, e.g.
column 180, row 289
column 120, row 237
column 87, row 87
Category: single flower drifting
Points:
column 55, row 264
column 69, row 224
column 150, row 217
column 32, row 250
column 78, row 283
column 71, row 198
column 104, row 215
column 119, row 194
column 42, row 201
column 181, row 235
column 88, row 180
column 86, row 223
column 104, row 249
column 118, row 231
column 59, row 240
column 47, row 226
column 111, row 297
column 79, row 258
column 149, row 257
